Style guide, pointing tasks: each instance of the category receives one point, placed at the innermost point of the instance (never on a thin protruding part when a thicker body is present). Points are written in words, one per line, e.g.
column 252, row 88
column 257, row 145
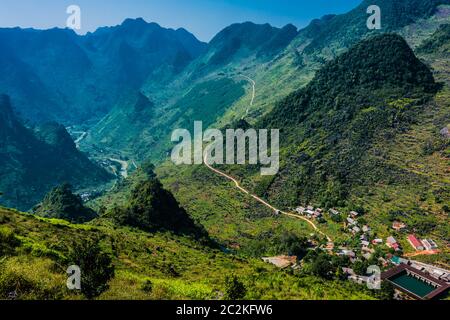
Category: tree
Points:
column 386, row 292
column 234, row 288
column 290, row 243
column 360, row 267
column 95, row 265
column 149, row 169
column 322, row 267
column 336, row 218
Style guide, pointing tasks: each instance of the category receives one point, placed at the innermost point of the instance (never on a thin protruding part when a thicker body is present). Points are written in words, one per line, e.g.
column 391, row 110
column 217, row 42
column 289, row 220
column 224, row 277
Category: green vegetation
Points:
column 61, row 203
column 32, row 162
column 152, row 208
column 329, row 126
column 439, row 42
column 177, row 267
column 234, row 289
column 361, row 119
column 95, row 266
column 336, row 32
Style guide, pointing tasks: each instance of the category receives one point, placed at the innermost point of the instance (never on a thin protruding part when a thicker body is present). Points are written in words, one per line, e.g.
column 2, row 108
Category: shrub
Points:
column 8, row 241
column 147, row 287
column 96, row 267
column 234, row 288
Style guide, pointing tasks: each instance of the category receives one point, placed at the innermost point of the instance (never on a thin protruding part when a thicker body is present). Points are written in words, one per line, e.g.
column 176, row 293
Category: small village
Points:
column 368, row 243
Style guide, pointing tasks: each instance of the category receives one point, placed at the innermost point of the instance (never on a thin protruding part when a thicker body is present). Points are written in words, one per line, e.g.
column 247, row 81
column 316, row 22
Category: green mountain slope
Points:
column 279, row 61
column 361, row 136
column 438, row 42
column 204, row 91
column 342, row 31
column 151, row 208
column 61, row 203
column 326, row 38
column 364, row 134
column 33, row 162
column 236, row 220
column 328, row 127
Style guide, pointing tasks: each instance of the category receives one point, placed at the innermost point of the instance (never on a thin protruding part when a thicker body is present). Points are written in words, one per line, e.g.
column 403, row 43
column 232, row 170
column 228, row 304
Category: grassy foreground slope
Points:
column 33, row 252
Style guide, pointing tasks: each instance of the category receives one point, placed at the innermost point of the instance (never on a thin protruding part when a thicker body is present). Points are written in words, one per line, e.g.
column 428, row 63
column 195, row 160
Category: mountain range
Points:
column 363, row 118
column 58, row 75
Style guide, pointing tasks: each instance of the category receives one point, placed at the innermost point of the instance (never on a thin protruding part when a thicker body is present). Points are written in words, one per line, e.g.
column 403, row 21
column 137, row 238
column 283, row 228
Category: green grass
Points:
column 233, row 218
column 37, row 272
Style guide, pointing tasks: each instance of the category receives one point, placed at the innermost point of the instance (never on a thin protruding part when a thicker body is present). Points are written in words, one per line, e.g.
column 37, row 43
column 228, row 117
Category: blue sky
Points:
column 204, row 18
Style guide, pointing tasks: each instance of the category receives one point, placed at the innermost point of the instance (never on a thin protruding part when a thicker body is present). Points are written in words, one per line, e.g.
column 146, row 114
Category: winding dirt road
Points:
column 238, row 186
column 265, row 203
column 253, row 83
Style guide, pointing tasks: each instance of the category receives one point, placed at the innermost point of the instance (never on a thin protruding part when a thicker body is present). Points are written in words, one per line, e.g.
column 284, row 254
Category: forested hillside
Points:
column 376, row 89
column 32, row 162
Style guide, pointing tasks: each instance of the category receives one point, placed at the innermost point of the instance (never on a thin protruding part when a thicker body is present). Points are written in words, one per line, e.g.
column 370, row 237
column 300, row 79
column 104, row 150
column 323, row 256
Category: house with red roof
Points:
column 415, row 243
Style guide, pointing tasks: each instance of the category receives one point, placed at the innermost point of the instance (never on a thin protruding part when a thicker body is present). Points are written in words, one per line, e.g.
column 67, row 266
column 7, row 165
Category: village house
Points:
column 377, row 241
column 415, row 243
column 383, row 261
column 366, row 228
column 354, row 214
column 398, row 226
column 300, row 210
column 367, row 255
column 281, row 261
column 330, row 246
column 358, row 279
column 348, row 271
column 367, row 249
column 310, row 208
column 351, row 221
column 429, row 244
column 365, row 243
column 316, row 214
column 397, row 260
column 356, row 230
column 392, row 243
column 347, row 253
column 334, row 212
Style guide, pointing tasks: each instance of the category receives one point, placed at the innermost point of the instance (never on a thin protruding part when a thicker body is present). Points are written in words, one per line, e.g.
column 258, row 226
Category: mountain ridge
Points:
column 103, row 64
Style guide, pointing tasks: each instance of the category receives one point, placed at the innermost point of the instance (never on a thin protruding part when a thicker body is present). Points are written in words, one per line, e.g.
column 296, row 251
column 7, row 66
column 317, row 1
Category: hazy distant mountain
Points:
column 33, row 162
column 58, row 75
column 248, row 39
